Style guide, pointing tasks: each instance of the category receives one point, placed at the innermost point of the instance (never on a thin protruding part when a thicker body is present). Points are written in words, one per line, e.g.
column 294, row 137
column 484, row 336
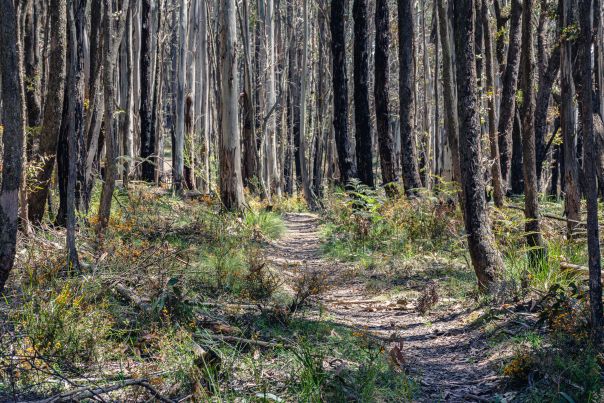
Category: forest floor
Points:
column 369, row 300
column 448, row 357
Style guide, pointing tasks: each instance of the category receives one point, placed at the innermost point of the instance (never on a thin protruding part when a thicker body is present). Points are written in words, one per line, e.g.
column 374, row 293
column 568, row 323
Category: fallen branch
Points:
column 575, row 267
column 551, row 216
column 87, row 392
column 131, row 296
column 225, row 305
column 240, row 340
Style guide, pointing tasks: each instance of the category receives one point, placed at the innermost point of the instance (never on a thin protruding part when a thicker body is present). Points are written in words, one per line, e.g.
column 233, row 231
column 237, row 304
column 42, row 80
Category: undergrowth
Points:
column 177, row 294
column 400, row 244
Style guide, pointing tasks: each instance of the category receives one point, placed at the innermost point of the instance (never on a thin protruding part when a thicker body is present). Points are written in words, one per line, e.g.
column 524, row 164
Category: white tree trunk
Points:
column 231, row 184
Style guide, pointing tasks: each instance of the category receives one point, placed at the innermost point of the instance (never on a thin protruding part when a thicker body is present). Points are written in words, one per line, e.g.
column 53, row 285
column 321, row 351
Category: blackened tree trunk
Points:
column 53, row 110
column 497, row 182
column 361, row 94
column 584, row 92
column 516, row 173
column 77, row 23
column 485, row 258
column 12, row 139
column 478, row 41
column 63, row 161
column 409, row 161
column 508, row 93
column 32, row 73
column 599, row 62
column 382, row 114
column 147, row 148
column 501, row 21
column 340, row 91
column 531, row 190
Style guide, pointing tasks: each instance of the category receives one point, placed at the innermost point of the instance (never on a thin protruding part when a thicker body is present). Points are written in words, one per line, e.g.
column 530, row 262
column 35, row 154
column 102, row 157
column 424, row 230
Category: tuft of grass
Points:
column 263, row 224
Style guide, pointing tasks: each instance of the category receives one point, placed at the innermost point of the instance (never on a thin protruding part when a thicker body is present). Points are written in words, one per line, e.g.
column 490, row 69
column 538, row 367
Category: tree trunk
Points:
column 128, row 139
column 112, row 39
column 205, row 100
column 77, row 24
column 409, row 162
column 362, row 121
column 51, row 122
column 516, row 173
column 301, row 152
column 147, row 146
column 572, row 198
column 231, row 184
column 31, row 63
column 449, row 91
column 382, row 113
column 12, row 138
column 340, row 91
column 179, row 131
column 584, row 92
column 500, row 41
column 94, row 118
column 250, row 154
column 485, row 258
column 546, row 82
column 497, row 181
column 273, row 182
column 508, row 93
column 599, row 60
column 323, row 130
column 537, row 251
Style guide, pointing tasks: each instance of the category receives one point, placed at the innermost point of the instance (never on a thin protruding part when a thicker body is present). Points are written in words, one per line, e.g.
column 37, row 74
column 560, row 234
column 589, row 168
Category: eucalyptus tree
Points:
column 572, row 196
column 486, row 260
column 382, row 104
column 231, row 184
column 114, row 26
column 12, row 137
column 362, row 121
column 340, row 91
column 53, row 110
column 497, row 181
column 507, row 104
column 147, row 137
column 586, row 109
column 409, row 160
column 531, row 188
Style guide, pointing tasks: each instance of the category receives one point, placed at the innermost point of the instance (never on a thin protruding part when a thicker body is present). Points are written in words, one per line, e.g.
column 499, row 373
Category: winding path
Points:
column 442, row 352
